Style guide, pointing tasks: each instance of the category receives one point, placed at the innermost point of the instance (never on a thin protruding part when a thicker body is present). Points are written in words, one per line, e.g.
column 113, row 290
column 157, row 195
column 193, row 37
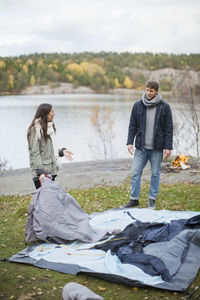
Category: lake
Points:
column 75, row 129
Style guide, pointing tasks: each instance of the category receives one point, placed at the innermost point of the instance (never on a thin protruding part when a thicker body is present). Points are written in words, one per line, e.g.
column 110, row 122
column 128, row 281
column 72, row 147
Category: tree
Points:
column 10, row 82
column 102, row 122
column 25, row 69
column 99, row 82
column 75, row 68
column 128, row 83
column 32, row 80
column 186, row 92
column 3, row 164
column 117, row 84
column 2, row 64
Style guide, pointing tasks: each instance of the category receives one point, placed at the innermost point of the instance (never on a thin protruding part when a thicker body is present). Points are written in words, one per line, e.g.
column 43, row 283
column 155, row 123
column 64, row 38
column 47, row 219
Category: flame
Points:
column 181, row 161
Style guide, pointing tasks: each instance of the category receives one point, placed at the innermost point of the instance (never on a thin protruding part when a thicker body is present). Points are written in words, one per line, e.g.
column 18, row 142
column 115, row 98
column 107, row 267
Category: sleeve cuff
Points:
column 40, row 171
column 60, row 152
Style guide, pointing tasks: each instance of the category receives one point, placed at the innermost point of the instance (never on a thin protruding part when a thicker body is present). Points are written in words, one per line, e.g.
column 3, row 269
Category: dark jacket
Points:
column 163, row 126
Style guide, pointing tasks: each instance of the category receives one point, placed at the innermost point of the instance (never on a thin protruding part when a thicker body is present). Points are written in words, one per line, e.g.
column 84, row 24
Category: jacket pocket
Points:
column 48, row 166
column 47, row 161
column 138, row 141
column 159, row 141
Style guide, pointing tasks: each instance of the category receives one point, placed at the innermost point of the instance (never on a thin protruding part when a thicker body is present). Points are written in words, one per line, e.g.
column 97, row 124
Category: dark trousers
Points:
column 37, row 182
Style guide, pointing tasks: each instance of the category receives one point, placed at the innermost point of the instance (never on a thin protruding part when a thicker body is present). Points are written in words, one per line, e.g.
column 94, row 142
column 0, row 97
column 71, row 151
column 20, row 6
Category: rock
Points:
column 62, row 88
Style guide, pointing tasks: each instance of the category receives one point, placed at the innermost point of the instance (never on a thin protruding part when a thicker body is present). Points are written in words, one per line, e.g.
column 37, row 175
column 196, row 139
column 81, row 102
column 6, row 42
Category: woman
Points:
column 43, row 153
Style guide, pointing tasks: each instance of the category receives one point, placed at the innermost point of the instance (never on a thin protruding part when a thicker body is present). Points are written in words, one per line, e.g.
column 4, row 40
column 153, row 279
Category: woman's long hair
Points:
column 41, row 114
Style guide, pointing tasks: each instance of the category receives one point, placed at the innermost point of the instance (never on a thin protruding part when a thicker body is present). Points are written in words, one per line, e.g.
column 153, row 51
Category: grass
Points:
column 25, row 282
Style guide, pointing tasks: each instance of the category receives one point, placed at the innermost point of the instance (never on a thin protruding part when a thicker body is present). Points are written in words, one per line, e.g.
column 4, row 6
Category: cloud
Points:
column 96, row 25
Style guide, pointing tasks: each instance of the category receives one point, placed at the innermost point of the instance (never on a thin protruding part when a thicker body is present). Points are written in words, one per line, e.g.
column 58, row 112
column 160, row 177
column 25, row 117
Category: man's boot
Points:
column 152, row 204
column 131, row 203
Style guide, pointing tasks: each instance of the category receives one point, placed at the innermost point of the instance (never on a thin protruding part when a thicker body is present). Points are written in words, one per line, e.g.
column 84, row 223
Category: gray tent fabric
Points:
column 55, row 214
column 76, row 291
column 171, row 252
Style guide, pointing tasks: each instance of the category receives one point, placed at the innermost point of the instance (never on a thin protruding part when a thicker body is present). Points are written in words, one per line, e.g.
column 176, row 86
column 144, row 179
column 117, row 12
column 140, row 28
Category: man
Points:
column 151, row 126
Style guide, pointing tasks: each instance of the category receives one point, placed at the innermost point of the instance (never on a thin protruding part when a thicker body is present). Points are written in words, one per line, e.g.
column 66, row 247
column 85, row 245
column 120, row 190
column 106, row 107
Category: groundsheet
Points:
column 181, row 254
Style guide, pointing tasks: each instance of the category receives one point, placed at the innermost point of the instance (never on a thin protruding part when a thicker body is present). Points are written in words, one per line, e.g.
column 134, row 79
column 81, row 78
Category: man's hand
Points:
column 68, row 154
column 167, row 153
column 130, row 149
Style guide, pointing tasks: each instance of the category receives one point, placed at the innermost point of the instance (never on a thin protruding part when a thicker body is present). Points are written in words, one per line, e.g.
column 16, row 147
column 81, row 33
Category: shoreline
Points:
column 67, row 88
column 71, row 175
column 80, row 175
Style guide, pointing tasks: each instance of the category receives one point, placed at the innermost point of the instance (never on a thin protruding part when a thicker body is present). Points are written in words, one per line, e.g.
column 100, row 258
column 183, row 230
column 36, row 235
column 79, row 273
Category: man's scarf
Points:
column 153, row 102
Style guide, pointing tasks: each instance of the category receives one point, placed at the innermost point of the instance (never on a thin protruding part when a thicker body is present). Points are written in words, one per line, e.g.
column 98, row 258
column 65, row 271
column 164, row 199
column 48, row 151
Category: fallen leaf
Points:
column 101, row 288
column 25, row 297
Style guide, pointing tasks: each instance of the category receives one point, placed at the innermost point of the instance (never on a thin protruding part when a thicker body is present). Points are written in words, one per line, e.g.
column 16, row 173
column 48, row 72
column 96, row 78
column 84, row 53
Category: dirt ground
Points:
column 88, row 174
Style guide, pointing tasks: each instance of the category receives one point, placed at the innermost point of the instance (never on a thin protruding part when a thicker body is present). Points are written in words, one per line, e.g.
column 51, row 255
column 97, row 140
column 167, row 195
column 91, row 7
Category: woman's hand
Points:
column 68, row 154
column 41, row 177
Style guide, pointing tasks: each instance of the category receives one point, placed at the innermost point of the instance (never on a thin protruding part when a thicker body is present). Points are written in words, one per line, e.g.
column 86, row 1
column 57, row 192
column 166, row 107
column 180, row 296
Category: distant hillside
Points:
column 99, row 72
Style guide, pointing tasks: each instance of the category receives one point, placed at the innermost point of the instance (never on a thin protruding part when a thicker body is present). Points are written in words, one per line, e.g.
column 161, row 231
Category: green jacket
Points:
column 41, row 155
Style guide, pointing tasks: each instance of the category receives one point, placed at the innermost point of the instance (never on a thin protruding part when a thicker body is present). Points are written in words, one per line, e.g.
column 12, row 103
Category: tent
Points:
column 170, row 252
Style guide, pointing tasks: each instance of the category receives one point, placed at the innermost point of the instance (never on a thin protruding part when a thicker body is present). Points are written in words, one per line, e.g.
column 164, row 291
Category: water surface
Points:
column 75, row 130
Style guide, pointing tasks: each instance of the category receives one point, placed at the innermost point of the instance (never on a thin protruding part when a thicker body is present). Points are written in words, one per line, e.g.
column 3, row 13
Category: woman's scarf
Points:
column 50, row 133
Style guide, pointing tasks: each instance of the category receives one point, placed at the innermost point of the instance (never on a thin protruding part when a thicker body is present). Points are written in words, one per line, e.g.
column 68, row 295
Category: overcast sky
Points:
column 29, row 26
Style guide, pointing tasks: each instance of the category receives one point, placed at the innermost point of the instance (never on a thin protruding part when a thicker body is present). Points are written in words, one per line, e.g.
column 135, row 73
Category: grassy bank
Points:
column 25, row 282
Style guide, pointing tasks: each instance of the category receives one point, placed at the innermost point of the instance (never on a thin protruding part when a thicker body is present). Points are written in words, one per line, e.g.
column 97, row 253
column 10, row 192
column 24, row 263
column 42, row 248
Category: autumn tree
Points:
column 32, row 80
column 10, row 82
column 103, row 122
column 117, row 84
column 128, row 83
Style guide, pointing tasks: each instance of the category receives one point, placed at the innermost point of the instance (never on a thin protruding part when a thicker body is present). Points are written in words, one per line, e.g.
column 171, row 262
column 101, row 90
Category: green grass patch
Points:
column 24, row 282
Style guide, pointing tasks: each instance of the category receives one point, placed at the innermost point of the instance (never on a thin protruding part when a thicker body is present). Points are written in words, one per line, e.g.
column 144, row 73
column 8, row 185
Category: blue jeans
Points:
column 140, row 160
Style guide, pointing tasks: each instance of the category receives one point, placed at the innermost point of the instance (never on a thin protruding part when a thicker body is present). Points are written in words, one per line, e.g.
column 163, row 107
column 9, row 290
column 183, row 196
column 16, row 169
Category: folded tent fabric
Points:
column 76, row 291
column 54, row 214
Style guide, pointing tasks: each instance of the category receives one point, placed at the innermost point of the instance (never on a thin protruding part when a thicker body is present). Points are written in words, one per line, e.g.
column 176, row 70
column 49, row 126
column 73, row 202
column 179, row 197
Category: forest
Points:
column 99, row 71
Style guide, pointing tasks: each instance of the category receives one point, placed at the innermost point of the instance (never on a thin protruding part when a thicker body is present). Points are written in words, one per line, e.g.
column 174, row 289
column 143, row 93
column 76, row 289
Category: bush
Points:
column 165, row 85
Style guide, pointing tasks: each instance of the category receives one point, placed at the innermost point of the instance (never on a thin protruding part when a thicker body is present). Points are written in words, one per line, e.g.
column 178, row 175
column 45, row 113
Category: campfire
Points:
column 180, row 162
